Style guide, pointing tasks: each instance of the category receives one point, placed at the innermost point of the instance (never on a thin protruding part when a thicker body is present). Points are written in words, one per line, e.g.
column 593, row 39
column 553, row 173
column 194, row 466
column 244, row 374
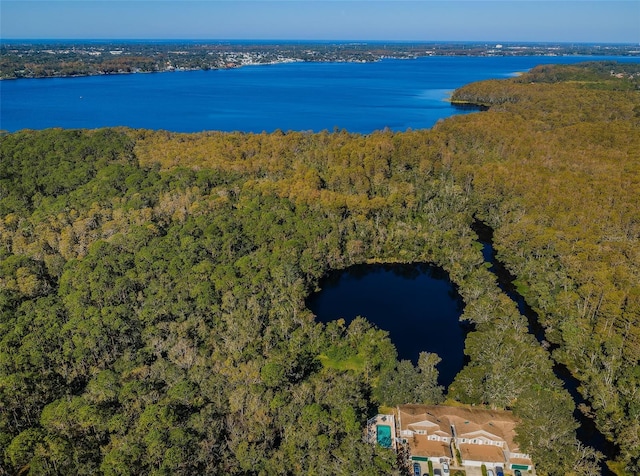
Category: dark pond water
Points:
column 420, row 308
column 416, row 304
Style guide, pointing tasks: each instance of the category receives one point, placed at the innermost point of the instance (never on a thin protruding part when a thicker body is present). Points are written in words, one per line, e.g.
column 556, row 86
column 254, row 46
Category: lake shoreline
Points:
column 395, row 297
column 181, row 70
column 302, row 96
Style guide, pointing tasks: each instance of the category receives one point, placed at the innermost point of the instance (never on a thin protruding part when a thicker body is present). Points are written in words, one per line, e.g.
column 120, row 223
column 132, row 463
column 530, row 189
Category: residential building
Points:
column 476, row 436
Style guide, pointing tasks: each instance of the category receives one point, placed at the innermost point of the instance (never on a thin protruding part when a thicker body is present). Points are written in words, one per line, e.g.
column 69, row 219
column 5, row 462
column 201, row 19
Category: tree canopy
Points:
column 153, row 285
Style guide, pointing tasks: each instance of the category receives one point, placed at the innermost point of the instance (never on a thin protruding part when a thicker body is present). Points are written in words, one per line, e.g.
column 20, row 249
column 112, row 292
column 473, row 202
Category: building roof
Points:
column 468, row 422
column 522, row 461
column 423, row 417
column 484, row 453
column 419, row 445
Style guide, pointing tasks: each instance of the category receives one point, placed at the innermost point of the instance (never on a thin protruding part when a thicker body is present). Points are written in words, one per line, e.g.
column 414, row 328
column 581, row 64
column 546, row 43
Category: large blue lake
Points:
column 359, row 97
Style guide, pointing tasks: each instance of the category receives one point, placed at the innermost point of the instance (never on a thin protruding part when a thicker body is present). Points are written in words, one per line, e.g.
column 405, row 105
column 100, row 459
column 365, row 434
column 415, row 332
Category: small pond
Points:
column 416, row 303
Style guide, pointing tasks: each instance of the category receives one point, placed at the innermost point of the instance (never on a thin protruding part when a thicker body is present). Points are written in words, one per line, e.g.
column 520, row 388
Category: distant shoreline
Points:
column 186, row 70
column 78, row 58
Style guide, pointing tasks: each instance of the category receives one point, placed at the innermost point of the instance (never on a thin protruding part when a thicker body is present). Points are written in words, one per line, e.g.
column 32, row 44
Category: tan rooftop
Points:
column 486, row 453
column 468, row 422
column 522, row 461
column 419, row 445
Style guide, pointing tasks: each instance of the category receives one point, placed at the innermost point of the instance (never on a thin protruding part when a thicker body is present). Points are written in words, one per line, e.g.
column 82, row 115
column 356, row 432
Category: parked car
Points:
column 437, row 472
column 499, row 471
column 517, row 472
column 416, row 469
column 445, row 468
column 489, row 472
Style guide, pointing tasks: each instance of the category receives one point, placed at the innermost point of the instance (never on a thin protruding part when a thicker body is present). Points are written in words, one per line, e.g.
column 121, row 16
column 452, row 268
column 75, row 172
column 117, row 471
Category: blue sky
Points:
column 451, row 20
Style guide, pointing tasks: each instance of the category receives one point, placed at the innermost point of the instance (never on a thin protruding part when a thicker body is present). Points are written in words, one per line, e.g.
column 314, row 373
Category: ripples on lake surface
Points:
column 358, row 97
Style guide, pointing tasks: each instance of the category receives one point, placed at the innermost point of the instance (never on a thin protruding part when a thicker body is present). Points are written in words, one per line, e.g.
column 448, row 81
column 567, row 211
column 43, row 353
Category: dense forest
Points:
column 153, row 284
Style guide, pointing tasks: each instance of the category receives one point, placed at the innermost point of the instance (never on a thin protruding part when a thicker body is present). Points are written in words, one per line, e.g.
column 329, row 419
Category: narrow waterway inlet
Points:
column 420, row 308
column 587, row 432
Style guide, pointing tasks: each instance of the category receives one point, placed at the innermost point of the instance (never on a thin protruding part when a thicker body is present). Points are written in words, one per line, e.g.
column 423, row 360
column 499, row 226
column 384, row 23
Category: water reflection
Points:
column 415, row 303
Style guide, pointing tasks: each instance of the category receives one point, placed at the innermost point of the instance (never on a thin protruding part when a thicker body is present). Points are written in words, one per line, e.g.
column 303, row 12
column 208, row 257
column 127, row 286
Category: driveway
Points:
column 473, row 470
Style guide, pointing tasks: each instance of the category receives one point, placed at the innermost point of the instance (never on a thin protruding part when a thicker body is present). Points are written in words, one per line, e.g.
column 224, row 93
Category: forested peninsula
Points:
column 153, row 284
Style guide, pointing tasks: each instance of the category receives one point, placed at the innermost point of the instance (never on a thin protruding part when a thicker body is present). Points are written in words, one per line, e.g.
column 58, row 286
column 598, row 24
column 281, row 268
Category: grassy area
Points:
column 386, row 410
column 355, row 362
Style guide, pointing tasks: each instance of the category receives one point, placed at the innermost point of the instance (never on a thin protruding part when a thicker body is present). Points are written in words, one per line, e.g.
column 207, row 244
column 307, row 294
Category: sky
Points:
column 597, row 21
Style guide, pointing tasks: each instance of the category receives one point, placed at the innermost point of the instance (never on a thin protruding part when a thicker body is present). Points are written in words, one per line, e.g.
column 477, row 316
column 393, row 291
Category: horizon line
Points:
column 320, row 40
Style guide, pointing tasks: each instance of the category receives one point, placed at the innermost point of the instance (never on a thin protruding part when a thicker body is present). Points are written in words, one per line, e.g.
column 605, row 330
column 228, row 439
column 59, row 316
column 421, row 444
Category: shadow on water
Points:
column 469, row 107
column 587, row 432
column 416, row 303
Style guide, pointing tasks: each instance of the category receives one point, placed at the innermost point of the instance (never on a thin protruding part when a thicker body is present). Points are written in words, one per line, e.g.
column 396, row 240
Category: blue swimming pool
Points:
column 384, row 435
